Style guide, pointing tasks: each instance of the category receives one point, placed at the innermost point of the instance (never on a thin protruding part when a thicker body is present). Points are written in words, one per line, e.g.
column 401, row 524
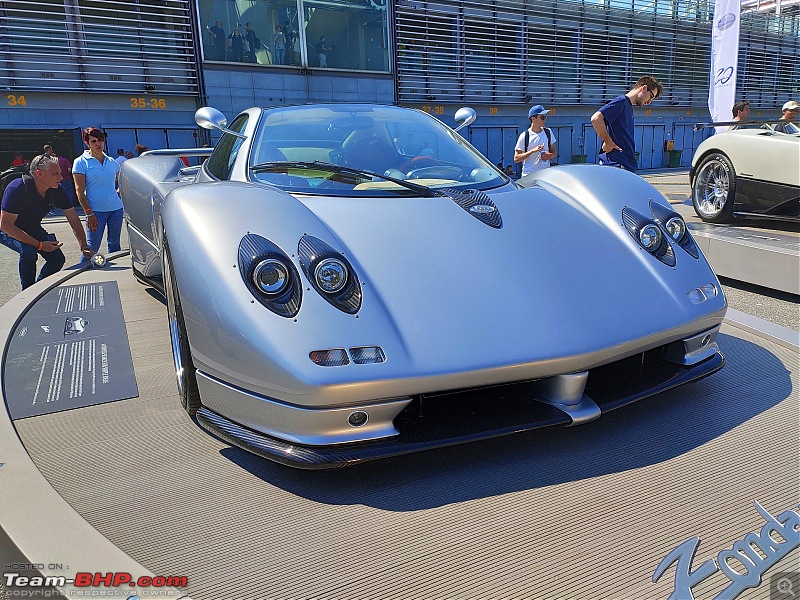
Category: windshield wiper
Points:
column 422, row 190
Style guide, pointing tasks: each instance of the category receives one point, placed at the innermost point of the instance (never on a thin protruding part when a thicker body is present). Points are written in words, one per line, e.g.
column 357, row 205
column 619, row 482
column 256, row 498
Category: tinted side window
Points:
column 220, row 163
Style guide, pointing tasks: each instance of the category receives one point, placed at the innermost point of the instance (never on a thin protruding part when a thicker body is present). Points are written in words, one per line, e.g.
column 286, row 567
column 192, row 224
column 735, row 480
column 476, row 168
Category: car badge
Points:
column 75, row 325
column 482, row 209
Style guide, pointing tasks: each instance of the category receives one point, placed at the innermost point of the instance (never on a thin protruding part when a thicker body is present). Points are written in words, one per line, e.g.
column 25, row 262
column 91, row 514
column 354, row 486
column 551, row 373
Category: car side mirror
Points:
column 210, row 118
column 465, row 116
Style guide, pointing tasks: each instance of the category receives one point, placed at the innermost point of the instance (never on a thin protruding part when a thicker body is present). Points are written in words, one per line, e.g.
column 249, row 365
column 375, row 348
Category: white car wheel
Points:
column 714, row 189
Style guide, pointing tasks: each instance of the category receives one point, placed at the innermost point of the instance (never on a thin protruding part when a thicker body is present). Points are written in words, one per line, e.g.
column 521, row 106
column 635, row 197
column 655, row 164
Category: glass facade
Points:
column 316, row 34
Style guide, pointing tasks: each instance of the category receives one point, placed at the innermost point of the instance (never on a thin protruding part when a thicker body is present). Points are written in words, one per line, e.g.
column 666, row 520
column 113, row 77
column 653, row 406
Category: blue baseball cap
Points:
column 537, row 110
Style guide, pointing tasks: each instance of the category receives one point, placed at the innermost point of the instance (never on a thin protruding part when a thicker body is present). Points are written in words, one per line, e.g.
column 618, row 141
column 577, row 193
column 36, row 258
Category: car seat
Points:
column 371, row 153
column 269, row 152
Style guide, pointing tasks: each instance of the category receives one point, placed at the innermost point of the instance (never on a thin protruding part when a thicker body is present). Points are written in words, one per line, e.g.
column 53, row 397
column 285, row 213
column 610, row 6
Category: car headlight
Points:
column 648, row 234
column 270, row 275
column 650, row 237
column 331, row 275
column 676, row 228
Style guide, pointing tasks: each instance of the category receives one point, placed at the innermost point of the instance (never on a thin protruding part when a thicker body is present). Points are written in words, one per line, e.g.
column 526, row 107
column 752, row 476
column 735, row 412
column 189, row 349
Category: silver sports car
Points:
column 349, row 282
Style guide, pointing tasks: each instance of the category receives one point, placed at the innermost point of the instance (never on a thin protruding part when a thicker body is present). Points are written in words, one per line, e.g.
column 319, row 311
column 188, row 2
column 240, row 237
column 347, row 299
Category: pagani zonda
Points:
column 748, row 172
column 348, row 282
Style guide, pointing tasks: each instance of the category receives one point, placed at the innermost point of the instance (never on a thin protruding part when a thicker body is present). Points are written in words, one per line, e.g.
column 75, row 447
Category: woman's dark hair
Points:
column 140, row 149
column 93, row 132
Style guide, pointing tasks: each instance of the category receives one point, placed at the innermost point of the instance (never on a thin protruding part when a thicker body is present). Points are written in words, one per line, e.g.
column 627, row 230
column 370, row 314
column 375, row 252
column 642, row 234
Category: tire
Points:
column 181, row 355
column 714, row 189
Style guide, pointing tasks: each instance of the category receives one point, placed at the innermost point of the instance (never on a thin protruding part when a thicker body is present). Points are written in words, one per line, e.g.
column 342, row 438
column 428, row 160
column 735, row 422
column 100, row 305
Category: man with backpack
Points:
column 536, row 146
column 26, row 200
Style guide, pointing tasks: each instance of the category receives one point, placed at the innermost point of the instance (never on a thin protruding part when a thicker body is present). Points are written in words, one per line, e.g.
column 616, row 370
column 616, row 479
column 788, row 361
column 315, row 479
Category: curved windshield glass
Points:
column 353, row 149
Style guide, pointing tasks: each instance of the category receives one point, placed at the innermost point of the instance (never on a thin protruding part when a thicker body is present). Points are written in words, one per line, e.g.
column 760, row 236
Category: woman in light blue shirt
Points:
column 95, row 175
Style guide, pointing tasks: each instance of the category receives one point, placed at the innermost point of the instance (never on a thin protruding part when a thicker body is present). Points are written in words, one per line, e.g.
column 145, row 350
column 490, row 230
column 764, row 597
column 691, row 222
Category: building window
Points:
column 259, row 32
column 319, row 34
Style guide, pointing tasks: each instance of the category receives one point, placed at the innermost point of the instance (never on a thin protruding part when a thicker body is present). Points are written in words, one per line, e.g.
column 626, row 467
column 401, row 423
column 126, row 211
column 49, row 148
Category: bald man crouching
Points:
column 25, row 203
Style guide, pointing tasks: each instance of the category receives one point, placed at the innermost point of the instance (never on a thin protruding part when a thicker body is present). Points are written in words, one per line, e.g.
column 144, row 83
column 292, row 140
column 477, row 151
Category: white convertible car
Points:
column 748, row 173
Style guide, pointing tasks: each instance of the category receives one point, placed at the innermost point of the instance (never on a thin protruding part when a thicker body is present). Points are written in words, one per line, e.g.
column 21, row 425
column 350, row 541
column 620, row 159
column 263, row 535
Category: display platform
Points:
column 704, row 479
column 765, row 253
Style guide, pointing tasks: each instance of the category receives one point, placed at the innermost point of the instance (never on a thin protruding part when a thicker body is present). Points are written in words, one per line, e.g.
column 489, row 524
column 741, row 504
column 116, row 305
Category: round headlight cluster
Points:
column 271, row 276
column 650, row 237
column 331, row 275
column 676, row 228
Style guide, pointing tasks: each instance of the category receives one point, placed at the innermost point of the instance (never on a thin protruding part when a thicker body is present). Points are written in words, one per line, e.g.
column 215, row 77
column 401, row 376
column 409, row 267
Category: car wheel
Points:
column 184, row 368
column 714, row 189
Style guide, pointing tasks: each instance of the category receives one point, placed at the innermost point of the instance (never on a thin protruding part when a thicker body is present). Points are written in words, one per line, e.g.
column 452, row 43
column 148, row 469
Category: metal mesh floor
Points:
column 584, row 512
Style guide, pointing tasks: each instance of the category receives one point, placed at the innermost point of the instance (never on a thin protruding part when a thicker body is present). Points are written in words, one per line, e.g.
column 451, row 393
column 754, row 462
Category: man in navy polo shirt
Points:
column 25, row 203
column 614, row 123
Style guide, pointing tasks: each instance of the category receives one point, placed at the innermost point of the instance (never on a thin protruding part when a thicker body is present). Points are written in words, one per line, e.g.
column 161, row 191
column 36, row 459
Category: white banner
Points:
column 724, row 58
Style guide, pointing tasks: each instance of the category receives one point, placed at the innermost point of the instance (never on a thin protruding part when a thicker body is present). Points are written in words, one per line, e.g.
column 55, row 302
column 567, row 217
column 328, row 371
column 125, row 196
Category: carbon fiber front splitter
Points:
column 468, row 415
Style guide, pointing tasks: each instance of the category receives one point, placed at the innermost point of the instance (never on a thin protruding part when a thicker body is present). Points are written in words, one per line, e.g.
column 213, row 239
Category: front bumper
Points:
column 467, row 415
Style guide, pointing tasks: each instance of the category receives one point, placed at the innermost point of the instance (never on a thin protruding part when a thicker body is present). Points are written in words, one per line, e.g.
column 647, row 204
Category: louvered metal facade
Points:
column 100, row 46
column 583, row 52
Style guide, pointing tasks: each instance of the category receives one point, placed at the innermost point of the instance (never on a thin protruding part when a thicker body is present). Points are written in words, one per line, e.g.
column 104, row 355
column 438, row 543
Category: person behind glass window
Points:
column 252, row 42
column 236, row 43
column 278, row 46
column 323, row 49
column 95, row 175
column 291, row 43
column 218, row 37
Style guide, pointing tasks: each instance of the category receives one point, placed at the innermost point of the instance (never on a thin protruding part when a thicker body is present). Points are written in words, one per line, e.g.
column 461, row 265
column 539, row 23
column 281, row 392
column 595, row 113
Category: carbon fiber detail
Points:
column 311, row 251
column 252, row 250
column 662, row 214
column 634, row 222
column 461, row 416
column 477, row 204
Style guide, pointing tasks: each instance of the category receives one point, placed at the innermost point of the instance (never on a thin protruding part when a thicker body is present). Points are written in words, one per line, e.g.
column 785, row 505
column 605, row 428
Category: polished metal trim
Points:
column 582, row 412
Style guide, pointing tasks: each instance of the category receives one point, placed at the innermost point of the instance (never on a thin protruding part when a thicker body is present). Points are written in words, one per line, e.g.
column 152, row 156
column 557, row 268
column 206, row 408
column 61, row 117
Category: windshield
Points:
column 393, row 143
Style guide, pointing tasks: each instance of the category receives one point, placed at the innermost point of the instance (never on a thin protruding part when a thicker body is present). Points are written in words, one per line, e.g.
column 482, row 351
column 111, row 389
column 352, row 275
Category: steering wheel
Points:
column 438, row 172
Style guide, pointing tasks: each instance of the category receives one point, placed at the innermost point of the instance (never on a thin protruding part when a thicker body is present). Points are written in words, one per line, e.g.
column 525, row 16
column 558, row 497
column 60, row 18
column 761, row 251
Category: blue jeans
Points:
column 111, row 219
column 28, row 255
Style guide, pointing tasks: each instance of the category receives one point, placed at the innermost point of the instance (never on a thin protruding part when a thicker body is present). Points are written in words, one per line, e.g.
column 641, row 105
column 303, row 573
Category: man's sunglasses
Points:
column 543, row 117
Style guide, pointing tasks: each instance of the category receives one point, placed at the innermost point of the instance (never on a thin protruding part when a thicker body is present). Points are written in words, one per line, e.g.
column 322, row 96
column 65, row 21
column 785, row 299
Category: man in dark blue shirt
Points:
column 614, row 123
column 26, row 201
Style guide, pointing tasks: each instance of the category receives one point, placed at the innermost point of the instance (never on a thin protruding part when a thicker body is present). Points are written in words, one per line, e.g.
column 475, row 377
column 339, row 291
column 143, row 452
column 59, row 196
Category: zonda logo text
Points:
column 756, row 553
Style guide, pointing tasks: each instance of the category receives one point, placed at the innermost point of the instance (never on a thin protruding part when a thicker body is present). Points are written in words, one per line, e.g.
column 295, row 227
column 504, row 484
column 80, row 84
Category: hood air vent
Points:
column 478, row 204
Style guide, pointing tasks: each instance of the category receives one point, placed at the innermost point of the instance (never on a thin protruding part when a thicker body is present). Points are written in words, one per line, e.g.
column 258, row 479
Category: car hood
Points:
column 554, row 279
column 560, row 287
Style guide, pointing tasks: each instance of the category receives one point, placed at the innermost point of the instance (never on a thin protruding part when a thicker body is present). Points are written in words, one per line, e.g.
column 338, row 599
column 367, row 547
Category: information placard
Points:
column 69, row 351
